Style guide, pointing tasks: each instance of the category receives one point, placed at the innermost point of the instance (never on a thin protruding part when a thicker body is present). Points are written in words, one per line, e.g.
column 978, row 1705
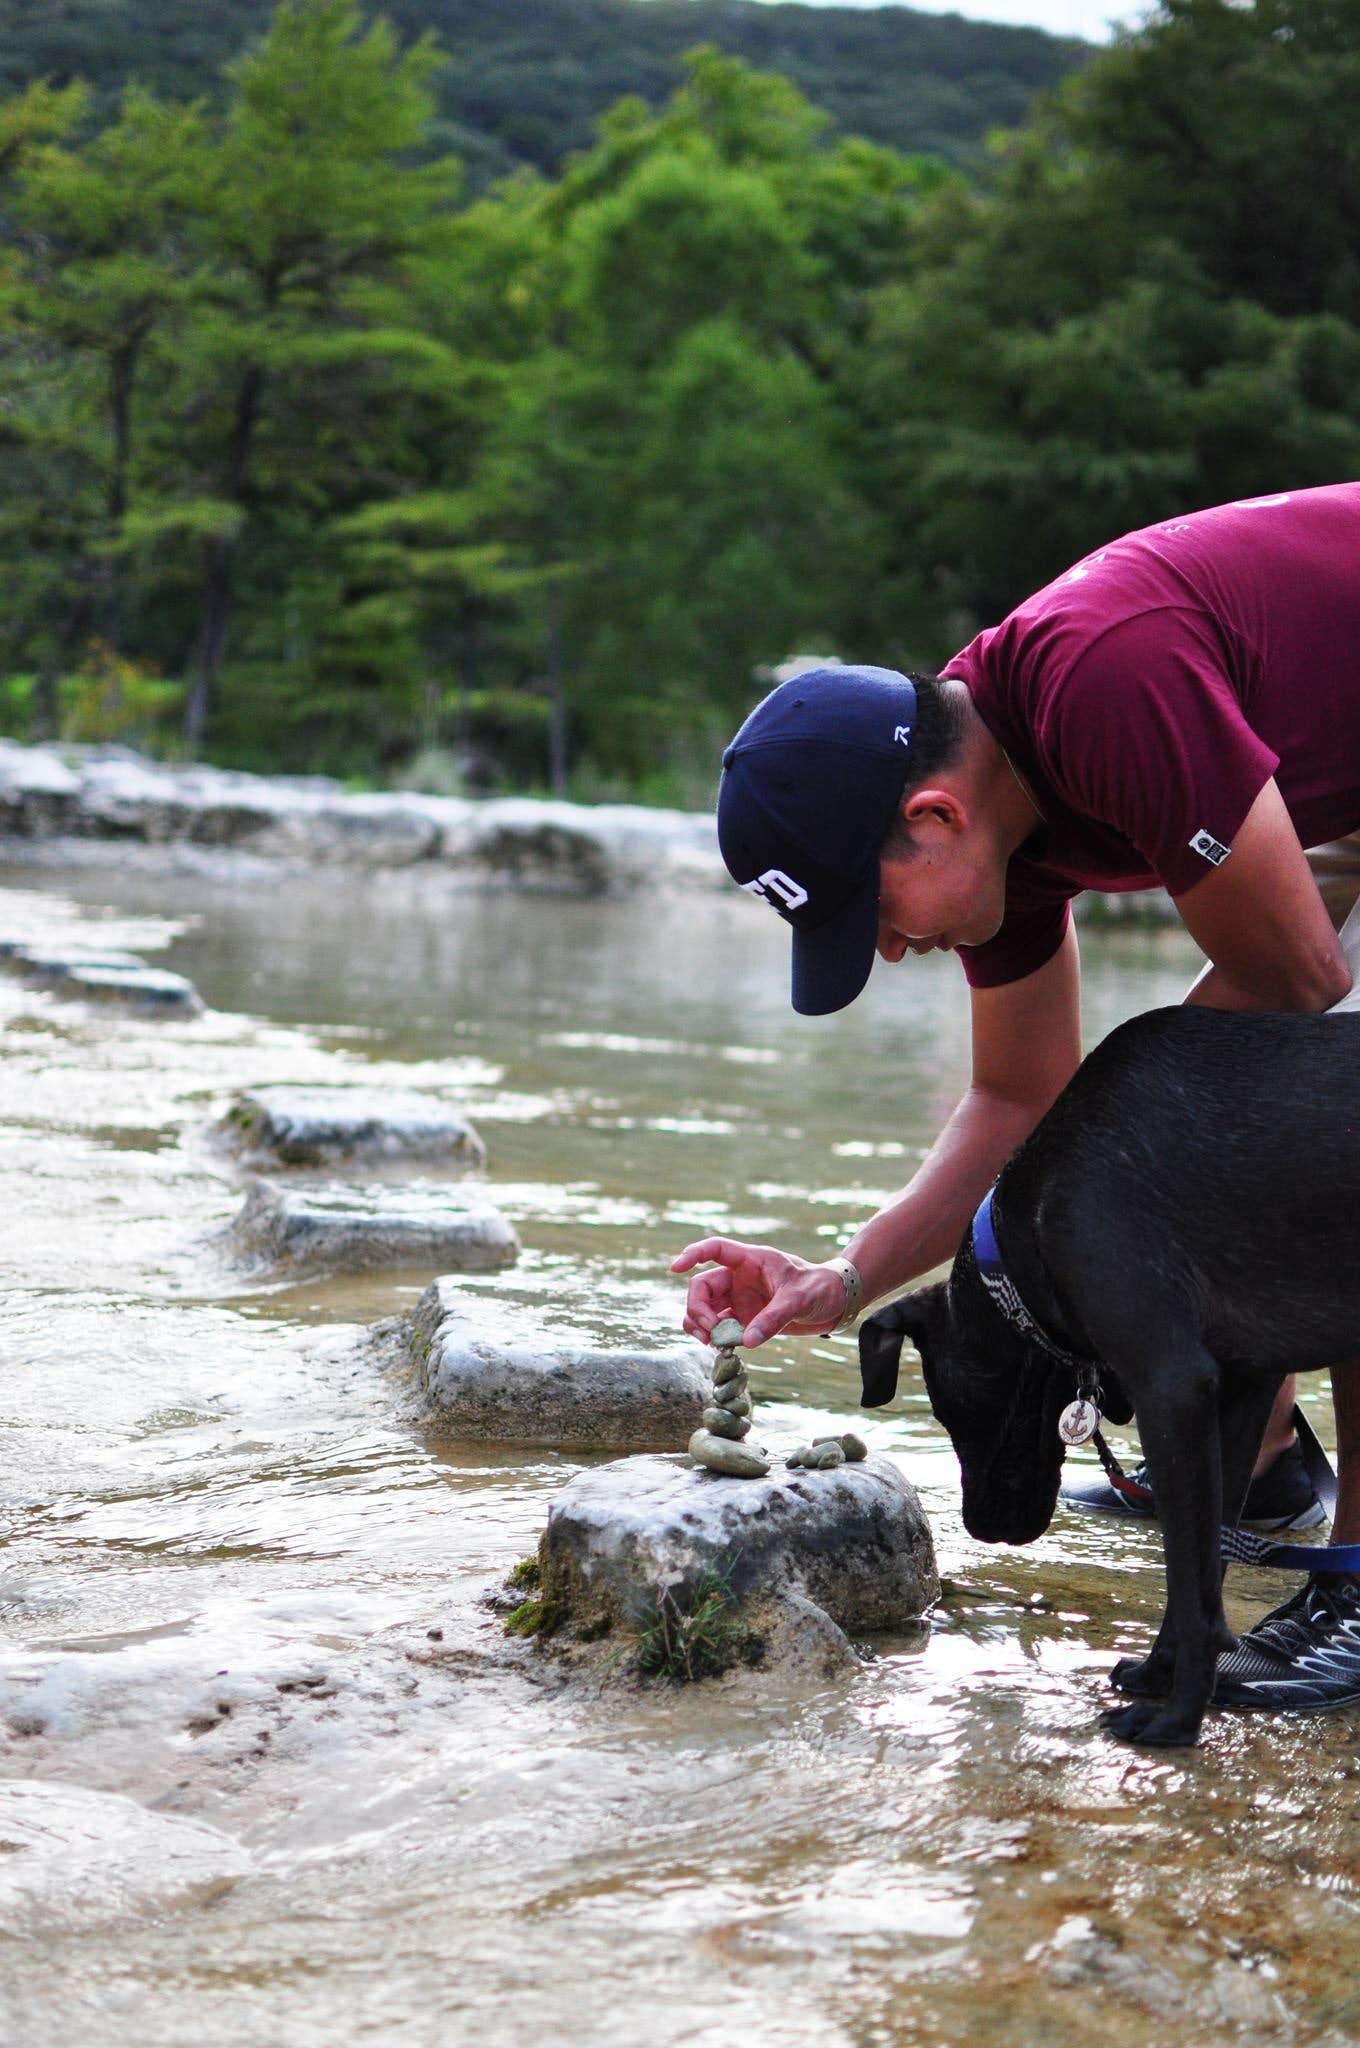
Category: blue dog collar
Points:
column 1003, row 1291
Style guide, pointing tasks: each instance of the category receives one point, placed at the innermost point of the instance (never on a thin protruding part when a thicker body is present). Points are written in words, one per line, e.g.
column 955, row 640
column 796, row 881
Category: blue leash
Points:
column 1244, row 1546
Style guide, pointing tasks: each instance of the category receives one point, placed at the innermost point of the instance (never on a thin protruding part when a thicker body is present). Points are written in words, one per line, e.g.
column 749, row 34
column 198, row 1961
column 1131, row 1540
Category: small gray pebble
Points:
column 852, row 1446
column 723, row 1423
column 732, row 1391
column 727, row 1367
column 822, row 1457
column 737, row 1404
column 727, row 1332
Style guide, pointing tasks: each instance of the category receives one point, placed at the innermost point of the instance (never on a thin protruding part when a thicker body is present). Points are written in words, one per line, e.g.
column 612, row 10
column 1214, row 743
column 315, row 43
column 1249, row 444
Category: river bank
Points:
column 59, row 806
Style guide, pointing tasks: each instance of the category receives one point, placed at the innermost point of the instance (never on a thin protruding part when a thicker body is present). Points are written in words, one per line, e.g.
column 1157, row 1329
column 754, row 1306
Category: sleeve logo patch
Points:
column 1212, row 849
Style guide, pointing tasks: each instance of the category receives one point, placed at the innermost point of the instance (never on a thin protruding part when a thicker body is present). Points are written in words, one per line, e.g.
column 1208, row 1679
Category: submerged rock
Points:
column 150, row 990
column 102, row 974
column 322, row 1126
column 80, row 1859
column 49, row 966
column 351, row 1230
column 472, row 1387
column 630, row 1538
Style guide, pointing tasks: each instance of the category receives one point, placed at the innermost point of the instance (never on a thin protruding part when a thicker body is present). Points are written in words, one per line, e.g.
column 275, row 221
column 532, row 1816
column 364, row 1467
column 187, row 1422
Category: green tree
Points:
column 1098, row 340
column 309, row 216
column 101, row 230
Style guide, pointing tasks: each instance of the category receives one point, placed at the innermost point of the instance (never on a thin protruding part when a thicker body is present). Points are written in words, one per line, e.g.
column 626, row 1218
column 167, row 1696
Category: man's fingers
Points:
column 722, row 1251
column 802, row 1299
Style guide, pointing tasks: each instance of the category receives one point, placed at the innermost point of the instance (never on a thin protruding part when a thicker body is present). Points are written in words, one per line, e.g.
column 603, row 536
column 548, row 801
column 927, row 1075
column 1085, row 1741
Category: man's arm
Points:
column 1262, row 923
column 1026, row 1047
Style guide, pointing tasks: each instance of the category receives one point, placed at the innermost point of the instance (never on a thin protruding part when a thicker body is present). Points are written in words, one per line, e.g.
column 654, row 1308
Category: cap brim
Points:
column 832, row 963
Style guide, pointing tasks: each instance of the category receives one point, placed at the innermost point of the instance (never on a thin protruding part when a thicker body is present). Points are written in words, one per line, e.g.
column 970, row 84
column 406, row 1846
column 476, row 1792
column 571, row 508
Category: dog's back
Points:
column 1215, row 1155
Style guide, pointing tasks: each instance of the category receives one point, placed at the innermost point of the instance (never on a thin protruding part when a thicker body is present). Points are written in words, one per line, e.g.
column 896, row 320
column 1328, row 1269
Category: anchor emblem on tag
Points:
column 1079, row 1422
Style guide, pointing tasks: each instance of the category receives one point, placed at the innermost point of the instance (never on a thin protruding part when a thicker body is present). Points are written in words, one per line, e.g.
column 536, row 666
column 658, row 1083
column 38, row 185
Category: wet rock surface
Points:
column 109, row 976
column 150, row 990
column 853, row 1544
column 83, row 793
column 470, row 1386
column 356, row 1229
column 317, row 1127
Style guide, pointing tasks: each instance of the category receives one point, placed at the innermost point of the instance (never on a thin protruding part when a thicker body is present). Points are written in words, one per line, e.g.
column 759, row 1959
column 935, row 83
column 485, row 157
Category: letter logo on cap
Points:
column 777, row 889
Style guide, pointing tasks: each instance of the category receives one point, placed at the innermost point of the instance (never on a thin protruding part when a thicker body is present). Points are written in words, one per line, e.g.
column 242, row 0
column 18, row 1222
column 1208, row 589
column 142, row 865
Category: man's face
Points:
column 950, row 892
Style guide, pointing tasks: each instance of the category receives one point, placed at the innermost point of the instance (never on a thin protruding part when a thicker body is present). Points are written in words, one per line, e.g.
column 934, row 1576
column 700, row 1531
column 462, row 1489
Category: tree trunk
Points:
column 557, row 696
column 122, row 372
column 220, row 565
column 44, row 714
column 212, row 638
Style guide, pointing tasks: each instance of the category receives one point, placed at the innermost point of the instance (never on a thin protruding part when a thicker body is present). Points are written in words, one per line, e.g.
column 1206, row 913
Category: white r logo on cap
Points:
column 777, row 889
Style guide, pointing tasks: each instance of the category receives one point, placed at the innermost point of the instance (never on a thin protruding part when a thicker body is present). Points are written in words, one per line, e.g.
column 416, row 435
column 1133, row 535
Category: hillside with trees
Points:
column 528, row 79
column 311, row 458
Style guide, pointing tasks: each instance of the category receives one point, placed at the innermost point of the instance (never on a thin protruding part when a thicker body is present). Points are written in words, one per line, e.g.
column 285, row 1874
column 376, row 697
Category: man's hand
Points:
column 767, row 1290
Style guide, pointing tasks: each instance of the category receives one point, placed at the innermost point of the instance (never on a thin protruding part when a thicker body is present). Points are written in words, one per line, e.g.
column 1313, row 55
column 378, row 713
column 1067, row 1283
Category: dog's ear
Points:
column 880, row 1345
column 1115, row 1404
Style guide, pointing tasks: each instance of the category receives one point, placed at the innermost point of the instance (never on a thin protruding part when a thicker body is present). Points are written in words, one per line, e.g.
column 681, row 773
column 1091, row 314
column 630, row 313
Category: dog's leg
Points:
column 1179, row 1428
column 1243, row 1410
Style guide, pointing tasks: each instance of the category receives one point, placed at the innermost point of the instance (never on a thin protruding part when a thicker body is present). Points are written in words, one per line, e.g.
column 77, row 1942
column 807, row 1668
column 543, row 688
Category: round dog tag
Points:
column 1079, row 1422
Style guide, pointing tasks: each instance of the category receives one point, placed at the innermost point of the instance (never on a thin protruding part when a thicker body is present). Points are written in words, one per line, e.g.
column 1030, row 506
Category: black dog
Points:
column 1187, row 1218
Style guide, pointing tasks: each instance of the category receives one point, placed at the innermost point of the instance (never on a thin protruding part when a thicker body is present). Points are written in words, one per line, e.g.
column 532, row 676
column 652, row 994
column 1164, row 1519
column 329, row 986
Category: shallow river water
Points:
column 269, row 1770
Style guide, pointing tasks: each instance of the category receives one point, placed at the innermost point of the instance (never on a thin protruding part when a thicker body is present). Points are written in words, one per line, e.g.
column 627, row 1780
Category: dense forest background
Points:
column 527, row 80
column 323, row 446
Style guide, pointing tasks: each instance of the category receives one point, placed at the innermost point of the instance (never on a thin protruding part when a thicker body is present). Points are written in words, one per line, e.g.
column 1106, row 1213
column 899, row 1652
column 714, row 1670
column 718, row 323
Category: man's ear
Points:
column 880, row 1344
column 934, row 805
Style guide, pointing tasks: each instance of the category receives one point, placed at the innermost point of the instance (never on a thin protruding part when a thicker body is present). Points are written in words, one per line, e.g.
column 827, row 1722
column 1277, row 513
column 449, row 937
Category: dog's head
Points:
column 998, row 1396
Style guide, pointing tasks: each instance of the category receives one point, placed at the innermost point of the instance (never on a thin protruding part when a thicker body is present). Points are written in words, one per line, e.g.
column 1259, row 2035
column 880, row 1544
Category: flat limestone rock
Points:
column 853, row 1543
column 150, row 990
column 323, row 1126
column 113, row 795
column 51, row 966
column 351, row 1230
column 471, row 1387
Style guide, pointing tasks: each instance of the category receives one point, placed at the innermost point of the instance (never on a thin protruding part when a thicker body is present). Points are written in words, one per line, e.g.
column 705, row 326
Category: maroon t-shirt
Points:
column 1148, row 695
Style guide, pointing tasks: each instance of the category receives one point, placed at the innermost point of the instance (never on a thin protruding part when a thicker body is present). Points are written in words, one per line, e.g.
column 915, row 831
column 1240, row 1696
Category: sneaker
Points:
column 1282, row 1497
column 1303, row 1657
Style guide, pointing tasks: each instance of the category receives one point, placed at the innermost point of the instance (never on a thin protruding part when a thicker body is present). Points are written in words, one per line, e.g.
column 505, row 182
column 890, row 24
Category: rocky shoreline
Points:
column 67, row 800
column 70, row 803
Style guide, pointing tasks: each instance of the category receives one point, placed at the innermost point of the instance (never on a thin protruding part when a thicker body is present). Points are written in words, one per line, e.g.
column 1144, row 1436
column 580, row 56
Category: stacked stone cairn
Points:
column 719, row 1442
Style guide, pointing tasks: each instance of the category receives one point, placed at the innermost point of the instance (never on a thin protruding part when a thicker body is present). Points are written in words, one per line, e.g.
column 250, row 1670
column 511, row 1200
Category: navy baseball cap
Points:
column 810, row 786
